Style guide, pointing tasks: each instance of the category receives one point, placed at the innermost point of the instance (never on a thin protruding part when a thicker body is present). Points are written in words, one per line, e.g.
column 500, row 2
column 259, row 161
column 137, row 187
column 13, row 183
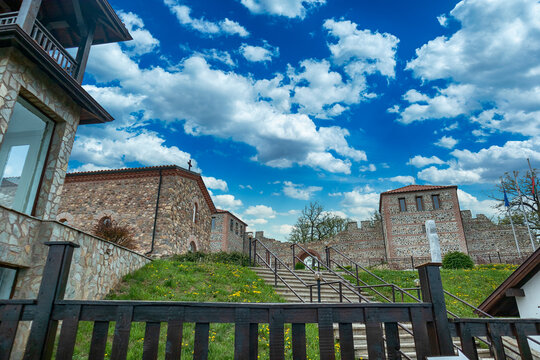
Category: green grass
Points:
column 173, row 280
column 472, row 285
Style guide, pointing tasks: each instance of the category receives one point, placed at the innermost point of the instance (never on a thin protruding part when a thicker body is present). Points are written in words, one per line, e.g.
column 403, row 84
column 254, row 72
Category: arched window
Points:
column 192, row 246
column 195, row 212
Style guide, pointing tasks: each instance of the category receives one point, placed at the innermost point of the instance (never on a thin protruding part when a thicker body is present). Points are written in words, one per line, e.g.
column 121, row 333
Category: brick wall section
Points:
column 483, row 236
column 403, row 230
column 130, row 198
column 223, row 237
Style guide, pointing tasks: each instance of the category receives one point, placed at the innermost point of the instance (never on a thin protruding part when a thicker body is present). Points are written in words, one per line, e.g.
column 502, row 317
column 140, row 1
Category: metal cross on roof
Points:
column 189, row 164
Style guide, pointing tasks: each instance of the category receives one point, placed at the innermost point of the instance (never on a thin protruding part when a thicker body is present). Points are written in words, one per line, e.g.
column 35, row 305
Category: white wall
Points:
column 528, row 304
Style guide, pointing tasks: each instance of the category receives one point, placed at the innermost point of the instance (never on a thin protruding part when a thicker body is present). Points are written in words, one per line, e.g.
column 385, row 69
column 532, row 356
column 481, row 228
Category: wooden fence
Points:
column 432, row 331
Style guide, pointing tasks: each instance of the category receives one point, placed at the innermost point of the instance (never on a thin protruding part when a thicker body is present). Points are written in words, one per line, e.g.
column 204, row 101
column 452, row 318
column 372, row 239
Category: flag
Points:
column 506, row 203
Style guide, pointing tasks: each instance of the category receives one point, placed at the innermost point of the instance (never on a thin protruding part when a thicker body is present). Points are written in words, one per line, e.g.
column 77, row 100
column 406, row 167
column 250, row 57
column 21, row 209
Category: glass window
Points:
column 231, row 225
column 7, row 282
column 195, row 212
column 402, row 205
column 213, row 223
column 22, row 156
column 419, row 203
column 436, row 202
column 236, row 232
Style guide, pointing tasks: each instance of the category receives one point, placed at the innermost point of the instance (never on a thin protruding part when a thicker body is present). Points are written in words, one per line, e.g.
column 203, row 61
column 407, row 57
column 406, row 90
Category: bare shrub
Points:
column 112, row 231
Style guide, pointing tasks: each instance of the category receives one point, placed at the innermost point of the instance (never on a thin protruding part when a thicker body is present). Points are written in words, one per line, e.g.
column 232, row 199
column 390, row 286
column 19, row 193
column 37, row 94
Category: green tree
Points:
column 315, row 224
column 531, row 203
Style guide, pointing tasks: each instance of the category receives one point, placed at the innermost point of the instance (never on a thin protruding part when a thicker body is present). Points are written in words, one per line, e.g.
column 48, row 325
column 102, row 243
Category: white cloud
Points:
column 287, row 8
column 421, row 161
column 223, row 27
column 260, row 211
column 360, row 204
column 491, row 66
column 259, row 53
column 245, row 187
column 300, row 192
column 114, row 148
column 89, row 167
column 443, row 20
column 143, row 42
column 486, row 165
column 447, row 142
column 370, row 167
column 226, row 202
column 220, row 56
column 215, row 184
column 285, row 229
column 470, row 202
column 363, row 51
column 257, row 221
column 407, row 180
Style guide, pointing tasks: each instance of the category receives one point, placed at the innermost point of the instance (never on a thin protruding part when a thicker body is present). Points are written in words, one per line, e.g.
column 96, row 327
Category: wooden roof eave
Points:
column 92, row 111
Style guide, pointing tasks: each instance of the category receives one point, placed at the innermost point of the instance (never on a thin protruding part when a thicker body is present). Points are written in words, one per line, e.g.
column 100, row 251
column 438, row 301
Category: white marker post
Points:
column 434, row 245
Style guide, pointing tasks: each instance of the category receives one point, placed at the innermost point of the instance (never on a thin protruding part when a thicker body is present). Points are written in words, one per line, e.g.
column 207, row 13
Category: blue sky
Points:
column 282, row 102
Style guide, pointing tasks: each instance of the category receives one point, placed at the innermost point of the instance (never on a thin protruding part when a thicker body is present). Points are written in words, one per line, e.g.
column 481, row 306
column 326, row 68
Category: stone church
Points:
column 168, row 208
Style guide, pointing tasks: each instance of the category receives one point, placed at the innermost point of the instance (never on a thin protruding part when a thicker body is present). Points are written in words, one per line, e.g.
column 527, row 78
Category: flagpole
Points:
column 507, row 205
column 523, row 212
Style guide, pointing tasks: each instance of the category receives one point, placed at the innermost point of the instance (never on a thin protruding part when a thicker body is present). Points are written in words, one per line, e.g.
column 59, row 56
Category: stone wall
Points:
column 404, row 232
column 485, row 237
column 130, row 198
column 97, row 264
column 358, row 243
column 21, row 77
column 218, row 232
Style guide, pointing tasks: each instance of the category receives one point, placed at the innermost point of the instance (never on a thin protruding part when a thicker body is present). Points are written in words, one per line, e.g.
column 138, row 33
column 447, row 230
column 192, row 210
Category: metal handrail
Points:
column 280, row 278
column 9, row 18
column 345, row 281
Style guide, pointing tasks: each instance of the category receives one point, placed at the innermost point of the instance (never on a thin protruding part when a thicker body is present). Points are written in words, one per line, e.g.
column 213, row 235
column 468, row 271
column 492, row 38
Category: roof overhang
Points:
column 91, row 111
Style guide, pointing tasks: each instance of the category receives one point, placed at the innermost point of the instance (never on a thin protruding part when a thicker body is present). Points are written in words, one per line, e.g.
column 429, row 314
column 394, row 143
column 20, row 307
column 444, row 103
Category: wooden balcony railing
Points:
column 55, row 50
column 8, row 18
column 47, row 42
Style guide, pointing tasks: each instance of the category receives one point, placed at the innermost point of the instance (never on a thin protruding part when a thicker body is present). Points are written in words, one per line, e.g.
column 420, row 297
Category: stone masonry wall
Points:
column 21, row 77
column 404, row 233
column 218, row 233
column 358, row 243
column 131, row 200
column 97, row 264
column 484, row 236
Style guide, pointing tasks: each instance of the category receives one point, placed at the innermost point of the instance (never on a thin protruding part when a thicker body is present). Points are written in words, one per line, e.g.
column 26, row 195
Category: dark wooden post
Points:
column 432, row 292
column 53, row 286
column 28, row 14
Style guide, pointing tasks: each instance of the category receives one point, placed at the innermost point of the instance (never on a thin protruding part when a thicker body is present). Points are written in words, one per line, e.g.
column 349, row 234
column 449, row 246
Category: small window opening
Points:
column 419, row 203
column 436, row 202
column 402, row 205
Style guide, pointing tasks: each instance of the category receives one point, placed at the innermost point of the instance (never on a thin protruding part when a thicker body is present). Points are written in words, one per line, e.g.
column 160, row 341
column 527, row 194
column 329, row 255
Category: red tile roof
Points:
column 411, row 188
column 221, row 211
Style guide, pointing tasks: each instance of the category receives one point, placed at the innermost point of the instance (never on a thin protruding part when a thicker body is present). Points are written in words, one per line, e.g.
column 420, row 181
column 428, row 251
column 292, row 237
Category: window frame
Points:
column 15, row 277
column 404, row 208
column 27, row 192
column 213, row 223
column 438, row 207
column 421, row 208
column 231, row 225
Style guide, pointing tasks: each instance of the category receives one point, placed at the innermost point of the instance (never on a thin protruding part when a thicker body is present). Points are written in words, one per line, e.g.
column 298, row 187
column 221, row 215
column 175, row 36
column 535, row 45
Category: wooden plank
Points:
column 420, row 333
column 173, row 348
column 392, row 340
column 99, row 340
column 201, row 341
column 151, row 341
column 346, row 341
column 68, row 334
column 521, row 330
column 468, row 345
column 299, row 341
column 121, row 333
column 495, row 331
column 277, row 341
column 241, row 334
column 326, row 334
column 375, row 341
column 8, row 329
column 253, row 341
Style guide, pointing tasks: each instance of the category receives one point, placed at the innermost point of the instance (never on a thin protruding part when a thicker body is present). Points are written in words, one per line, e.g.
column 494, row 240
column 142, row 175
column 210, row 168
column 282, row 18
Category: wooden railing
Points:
column 8, row 18
column 55, row 50
column 432, row 331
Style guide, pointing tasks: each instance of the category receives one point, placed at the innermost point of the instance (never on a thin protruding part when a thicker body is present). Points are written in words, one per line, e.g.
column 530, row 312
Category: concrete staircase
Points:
column 330, row 296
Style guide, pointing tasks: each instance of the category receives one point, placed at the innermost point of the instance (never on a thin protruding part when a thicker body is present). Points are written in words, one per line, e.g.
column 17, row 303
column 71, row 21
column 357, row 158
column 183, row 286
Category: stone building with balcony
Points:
column 42, row 103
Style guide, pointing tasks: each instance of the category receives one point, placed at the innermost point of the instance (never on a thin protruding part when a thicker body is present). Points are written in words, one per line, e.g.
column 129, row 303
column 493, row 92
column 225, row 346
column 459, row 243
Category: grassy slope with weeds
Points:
column 174, row 280
column 472, row 285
